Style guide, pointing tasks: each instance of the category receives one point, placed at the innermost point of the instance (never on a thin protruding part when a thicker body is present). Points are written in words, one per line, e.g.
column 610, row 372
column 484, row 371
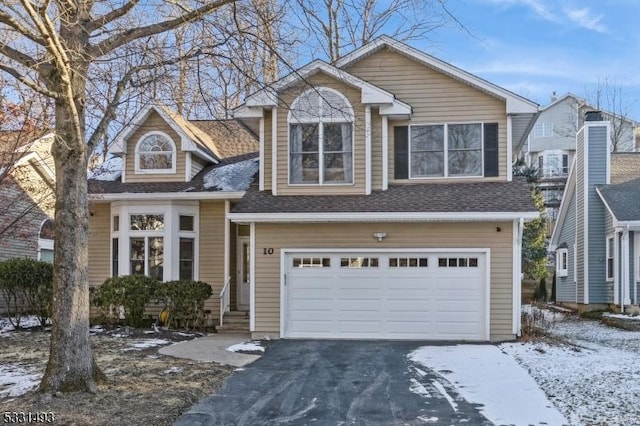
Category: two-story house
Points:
column 383, row 204
column 551, row 144
column 597, row 234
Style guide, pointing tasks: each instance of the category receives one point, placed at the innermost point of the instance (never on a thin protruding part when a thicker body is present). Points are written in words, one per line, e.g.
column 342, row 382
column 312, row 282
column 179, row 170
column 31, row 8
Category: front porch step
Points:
column 234, row 322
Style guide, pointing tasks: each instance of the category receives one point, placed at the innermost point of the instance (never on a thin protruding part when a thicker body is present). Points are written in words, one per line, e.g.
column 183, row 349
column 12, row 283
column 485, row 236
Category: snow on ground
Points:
column 25, row 322
column 140, row 344
column 622, row 316
column 16, row 380
column 597, row 381
column 482, row 374
column 246, row 347
column 232, row 177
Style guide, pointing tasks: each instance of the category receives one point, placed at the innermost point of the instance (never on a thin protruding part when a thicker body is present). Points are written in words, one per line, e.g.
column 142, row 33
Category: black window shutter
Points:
column 401, row 152
column 491, row 149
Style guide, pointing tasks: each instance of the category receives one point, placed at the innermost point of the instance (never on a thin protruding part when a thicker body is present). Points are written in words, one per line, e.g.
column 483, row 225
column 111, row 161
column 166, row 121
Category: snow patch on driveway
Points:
column 483, row 374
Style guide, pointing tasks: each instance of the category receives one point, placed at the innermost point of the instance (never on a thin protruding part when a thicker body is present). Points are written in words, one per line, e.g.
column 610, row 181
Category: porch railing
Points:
column 225, row 299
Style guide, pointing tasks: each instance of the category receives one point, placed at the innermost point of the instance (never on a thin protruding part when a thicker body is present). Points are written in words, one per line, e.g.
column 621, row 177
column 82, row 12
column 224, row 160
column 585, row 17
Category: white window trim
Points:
column 446, row 151
column 543, row 130
column 170, row 234
column 44, row 244
column 560, row 271
column 174, row 156
column 610, row 253
column 293, row 120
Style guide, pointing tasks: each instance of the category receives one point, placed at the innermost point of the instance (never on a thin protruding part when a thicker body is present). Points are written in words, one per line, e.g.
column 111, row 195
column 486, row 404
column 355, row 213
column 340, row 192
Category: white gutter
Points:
column 381, row 217
column 139, row 196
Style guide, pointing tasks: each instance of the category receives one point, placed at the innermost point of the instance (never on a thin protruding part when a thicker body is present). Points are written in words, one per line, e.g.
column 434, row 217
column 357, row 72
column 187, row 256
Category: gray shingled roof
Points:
column 197, row 184
column 623, row 199
column 431, row 197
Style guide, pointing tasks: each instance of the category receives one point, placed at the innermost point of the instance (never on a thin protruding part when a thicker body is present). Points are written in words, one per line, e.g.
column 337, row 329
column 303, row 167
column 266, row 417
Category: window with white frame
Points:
column 565, row 164
column 443, row 150
column 543, row 130
column 155, row 152
column 46, row 237
column 321, row 138
column 156, row 241
column 562, row 262
column 610, row 258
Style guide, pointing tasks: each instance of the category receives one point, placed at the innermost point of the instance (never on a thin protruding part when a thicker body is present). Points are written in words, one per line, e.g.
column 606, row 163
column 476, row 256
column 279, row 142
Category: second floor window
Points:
column 543, row 130
column 155, row 153
column 321, row 138
column 442, row 150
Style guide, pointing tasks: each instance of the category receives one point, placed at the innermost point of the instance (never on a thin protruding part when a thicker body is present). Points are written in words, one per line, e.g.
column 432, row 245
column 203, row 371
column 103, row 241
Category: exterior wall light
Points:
column 380, row 235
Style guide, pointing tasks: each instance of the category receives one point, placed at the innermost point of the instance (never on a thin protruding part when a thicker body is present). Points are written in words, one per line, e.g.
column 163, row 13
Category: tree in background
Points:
column 534, row 237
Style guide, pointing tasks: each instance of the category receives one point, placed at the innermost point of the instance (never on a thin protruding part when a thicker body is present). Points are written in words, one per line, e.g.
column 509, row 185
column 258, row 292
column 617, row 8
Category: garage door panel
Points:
column 388, row 302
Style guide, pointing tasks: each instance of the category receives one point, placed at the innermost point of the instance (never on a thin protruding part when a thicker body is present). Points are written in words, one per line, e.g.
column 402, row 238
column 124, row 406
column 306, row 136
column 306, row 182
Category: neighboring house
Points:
column 383, row 207
column 551, row 144
column 597, row 234
column 27, row 199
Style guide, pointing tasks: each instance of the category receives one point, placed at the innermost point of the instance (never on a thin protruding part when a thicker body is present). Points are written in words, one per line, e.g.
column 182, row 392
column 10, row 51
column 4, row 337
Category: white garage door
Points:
column 409, row 295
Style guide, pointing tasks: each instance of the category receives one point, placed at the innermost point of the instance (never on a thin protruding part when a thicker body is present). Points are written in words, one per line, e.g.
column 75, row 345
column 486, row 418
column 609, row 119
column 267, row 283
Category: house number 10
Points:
column 268, row 250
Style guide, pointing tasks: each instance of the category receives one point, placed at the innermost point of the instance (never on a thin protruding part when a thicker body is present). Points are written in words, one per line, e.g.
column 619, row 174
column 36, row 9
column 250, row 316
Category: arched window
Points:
column 321, row 138
column 155, row 153
column 45, row 241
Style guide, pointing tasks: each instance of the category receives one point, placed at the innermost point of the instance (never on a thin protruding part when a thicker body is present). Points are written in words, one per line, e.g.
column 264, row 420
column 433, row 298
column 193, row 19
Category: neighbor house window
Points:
column 543, row 130
column 443, row 150
column 146, row 248
column 115, row 250
column 186, row 258
column 321, row 138
column 610, row 251
column 155, row 153
column 562, row 262
column 565, row 164
column 45, row 241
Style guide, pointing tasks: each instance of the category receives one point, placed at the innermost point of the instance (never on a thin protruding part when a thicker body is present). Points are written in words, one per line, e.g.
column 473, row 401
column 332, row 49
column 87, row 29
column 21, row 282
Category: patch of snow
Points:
column 232, row 177
column 25, row 322
column 179, row 333
column 595, row 382
column 482, row 374
column 246, row 347
column 622, row 316
column 446, row 395
column 173, row 370
column 146, row 343
column 428, row 419
column 16, row 380
column 150, row 332
column 418, row 388
column 96, row 329
column 110, row 170
column 239, row 369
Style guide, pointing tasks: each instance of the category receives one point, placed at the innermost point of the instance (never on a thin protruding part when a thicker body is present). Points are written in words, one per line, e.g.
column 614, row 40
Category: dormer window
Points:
column 155, row 153
column 321, row 138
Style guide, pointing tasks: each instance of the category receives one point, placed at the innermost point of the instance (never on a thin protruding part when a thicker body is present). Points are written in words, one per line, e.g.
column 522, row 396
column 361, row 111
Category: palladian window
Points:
column 155, row 153
column 321, row 138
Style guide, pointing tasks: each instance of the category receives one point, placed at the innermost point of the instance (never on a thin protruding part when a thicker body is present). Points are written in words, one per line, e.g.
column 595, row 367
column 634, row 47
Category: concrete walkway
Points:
column 212, row 348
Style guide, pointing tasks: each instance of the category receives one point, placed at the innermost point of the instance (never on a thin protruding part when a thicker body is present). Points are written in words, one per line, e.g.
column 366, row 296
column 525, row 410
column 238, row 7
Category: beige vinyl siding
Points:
column 211, row 268
column 154, row 123
column 287, row 97
column 400, row 235
column 434, row 97
column 266, row 167
column 99, row 243
column 197, row 164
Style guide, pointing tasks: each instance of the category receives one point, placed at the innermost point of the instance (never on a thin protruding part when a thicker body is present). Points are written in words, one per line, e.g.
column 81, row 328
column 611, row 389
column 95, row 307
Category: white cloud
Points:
column 584, row 18
column 538, row 6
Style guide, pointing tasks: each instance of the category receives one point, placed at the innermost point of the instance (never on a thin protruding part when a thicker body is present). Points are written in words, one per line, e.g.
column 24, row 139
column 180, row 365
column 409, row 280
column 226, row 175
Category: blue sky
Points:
column 535, row 47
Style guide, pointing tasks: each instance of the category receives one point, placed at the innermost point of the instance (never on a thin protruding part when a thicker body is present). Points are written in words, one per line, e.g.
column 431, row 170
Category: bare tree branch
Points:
column 9, row 20
column 118, row 40
column 105, row 19
column 27, row 82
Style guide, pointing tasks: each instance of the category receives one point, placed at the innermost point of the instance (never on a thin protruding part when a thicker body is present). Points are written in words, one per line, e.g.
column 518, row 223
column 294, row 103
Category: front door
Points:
column 244, row 267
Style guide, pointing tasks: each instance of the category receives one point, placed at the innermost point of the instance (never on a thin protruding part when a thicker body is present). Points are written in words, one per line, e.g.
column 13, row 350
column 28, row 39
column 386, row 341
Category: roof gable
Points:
column 516, row 104
column 191, row 137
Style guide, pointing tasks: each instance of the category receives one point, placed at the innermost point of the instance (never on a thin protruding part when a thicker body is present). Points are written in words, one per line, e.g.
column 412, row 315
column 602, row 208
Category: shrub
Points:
column 131, row 292
column 27, row 287
column 184, row 300
column 540, row 294
column 534, row 322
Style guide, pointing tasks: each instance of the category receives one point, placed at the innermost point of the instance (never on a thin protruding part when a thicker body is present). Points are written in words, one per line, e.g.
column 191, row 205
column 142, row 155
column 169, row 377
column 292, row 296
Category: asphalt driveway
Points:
column 325, row 382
